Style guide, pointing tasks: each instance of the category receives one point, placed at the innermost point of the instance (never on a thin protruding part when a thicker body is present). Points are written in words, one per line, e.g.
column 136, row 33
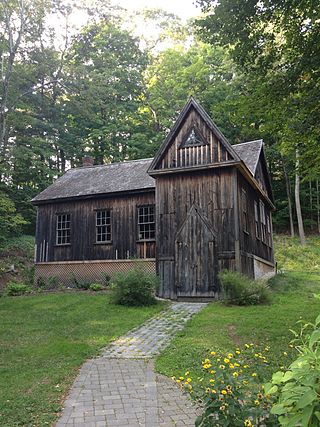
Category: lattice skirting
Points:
column 68, row 273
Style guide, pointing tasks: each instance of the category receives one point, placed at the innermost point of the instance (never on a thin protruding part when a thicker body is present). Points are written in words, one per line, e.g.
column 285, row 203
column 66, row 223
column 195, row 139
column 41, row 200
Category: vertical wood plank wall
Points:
column 83, row 245
column 212, row 192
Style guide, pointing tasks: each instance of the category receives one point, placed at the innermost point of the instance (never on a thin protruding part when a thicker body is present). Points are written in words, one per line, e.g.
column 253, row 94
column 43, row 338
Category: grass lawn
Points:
column 44, row 339
column 224, row 328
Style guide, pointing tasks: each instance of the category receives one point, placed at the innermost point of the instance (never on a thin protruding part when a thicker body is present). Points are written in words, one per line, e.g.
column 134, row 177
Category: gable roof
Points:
column 95, row 180
column 249, row 153
column 192, row 103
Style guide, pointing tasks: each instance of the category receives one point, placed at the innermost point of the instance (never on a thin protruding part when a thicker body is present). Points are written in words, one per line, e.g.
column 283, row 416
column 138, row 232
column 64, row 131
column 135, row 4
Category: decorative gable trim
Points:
column 191, row 104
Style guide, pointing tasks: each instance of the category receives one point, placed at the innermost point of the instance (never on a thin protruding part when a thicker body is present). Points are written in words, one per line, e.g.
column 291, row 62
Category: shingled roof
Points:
column 95, row 180
column 124, row 176
column 249, row 153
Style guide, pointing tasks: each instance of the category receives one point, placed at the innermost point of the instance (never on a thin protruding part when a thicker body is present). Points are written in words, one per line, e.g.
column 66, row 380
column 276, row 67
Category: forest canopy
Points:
column 104, row 89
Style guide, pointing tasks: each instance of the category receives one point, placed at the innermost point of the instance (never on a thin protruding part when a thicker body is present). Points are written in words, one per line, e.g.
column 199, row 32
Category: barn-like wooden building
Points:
column 200, row 206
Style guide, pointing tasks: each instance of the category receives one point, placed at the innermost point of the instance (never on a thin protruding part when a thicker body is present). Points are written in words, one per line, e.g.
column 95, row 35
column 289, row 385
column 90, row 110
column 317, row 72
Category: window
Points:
column 244, row 204
column 146, row 222
column 269, row 239
column 263, row 221
column 63, row 229
column 103, row 226
column 192, row 138
column 256, row 219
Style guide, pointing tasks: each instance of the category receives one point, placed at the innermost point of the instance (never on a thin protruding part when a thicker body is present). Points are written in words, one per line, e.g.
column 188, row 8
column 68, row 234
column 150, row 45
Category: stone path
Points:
column 120, row 388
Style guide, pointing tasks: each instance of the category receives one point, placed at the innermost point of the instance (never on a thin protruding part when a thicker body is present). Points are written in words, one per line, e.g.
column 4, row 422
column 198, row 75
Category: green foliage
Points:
column 96, row 287
column 16, row 289
column 135, row 288
column 11, row 222
column 80, row 284
column 297, row 389
column 229, row 390
column 240, row 290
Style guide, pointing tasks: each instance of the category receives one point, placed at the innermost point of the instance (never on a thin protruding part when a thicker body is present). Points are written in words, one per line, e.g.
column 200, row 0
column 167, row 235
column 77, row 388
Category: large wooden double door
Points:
column 196, row 257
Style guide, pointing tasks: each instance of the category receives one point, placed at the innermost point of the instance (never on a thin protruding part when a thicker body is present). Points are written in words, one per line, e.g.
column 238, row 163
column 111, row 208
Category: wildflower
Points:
column 188, row 380
column 190, row 386
column 213, row 353
column 231, row 366
column 213, row 391
column 248, row 423
column 223, row 391
column 173, row 378
column 187, row 373
column 238, row 352
column 257, row 402
column 260, row 396
column 222, row 407
column 236, row 365
column 226, row 360
column 285, row 353
column 211, row 380
column 178, row 381
column 246, row 366
column 247, row 346
column 212, row 372
column 235, row 374
column 222, row 367
column 181, row 378
column 228, row 387
column 254, row 374
column 230, row 355
column 208, row 390
column 245, row 382
column 207, row 366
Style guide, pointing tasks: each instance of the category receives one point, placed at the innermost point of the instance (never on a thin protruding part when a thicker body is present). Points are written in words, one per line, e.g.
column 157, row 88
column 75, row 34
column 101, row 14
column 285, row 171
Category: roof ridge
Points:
column 248, row 142
column 108, row 164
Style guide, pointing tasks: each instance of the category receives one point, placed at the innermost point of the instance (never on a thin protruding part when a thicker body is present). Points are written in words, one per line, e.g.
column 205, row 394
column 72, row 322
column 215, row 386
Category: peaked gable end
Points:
column 194, row 141
column 262, row 175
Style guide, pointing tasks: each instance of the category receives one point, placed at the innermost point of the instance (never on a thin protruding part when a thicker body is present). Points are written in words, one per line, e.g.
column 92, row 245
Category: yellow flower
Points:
column 178, row 381
column 231, row 366
column 187, row 373
column 188, row 380
column 230, row 355
column 247, row 346
column 229, row 387
column 237, row 365
column 208, row 390
column 223, row 391
column 181, row 378
column 222, row 408
column 213, row 353
column 190, row 386
column 248, row 423
column 222, row 367
column 207, row 366
column 254, row 374
column 246, row 366
column 212, row 380
column 245, row 382
column 226, row 360
column 213, row 391
column 260, row 396
column 235, row 374
column 257, row 402
column 285, row 353
column 212, row 372
column 207, row 361
column 173, row 378
column 238, row 352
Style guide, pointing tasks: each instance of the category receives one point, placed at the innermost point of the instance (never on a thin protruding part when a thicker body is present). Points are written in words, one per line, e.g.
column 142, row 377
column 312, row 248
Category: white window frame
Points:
column 63, row 229
column 103, row 226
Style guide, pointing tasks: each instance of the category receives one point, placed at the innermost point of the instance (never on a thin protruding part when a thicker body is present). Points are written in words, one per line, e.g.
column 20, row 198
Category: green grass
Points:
column 43, row 342
column 224, row 328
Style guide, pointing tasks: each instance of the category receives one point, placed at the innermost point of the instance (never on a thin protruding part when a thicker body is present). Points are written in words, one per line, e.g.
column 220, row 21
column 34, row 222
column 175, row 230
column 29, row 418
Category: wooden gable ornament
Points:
column 193, row 142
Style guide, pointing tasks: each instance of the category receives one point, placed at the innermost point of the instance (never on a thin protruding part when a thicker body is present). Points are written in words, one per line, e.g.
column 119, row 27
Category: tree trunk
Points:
column 288, row 190
column 297, row 200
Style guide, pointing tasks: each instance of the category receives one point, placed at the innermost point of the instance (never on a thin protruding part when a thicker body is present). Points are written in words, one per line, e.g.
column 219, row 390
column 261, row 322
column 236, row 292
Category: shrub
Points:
column 95, row 287
column 229, row 389
column 297, row 389
column 15, row 289
column 240, row 290
column 28, row 276
column 107, row 279
column 79, row 284
column 135, row 288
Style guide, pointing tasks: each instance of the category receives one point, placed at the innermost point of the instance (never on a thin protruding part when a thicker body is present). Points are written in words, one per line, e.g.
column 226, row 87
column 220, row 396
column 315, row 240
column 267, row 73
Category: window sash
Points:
column 146, row 222
column 103, row 226
column 63, row 229
column 256, row 218
column 244, row 204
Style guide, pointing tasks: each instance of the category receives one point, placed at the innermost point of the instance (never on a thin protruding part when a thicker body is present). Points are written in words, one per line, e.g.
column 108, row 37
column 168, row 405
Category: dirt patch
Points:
column 233, row 335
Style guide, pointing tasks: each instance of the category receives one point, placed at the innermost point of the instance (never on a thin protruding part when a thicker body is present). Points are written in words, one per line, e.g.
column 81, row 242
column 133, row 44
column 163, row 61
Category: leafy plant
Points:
column 28, row 276
column 297, row 390
column 230, row 391
column 95, row 287
column 79, row 284
column 135, row 288
column 15, row 289
column 240, row 290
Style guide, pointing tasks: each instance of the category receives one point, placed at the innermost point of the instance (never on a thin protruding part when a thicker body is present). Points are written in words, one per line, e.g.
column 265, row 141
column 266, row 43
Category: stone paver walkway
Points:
column 120, row 388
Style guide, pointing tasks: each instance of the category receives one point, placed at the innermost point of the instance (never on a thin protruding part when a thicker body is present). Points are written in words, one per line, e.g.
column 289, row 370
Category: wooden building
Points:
column 200, row 206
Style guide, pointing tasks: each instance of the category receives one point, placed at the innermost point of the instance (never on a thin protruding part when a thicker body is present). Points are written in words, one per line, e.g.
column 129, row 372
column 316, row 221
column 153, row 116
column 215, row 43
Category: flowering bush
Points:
column 230, row 390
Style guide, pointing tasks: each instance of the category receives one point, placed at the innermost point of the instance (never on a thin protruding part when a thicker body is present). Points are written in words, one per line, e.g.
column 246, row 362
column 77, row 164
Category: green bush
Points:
column 240, row 290
column 135, row 288
column 297, row 389
column 95, row 287
column 78, row 284
column 15, row 289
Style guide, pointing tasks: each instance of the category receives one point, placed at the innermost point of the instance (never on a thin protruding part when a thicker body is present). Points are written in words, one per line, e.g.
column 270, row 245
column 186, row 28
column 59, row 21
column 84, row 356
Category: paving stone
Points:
column 121, row 389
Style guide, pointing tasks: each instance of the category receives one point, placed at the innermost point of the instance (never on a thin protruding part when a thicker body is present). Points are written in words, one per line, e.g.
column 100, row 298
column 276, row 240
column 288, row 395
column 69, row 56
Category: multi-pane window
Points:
column 244, row 204
column 103, row 226
column 256, row 220
column 63, row 229
column 146, row 222
column 269, row 239
column 263, row 221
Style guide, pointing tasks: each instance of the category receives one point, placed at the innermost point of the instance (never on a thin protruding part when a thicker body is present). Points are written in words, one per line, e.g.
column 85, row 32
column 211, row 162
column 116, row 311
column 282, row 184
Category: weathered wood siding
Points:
column 250, row 245
column 83, row 246
column 211, row 193
column 212, row 152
